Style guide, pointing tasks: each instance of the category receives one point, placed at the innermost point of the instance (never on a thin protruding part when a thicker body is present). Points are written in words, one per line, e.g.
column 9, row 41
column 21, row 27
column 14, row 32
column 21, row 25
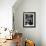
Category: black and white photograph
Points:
column 29, row 19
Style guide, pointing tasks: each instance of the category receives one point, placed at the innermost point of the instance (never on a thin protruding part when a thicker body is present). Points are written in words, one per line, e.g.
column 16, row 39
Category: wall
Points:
column 43, row 22
column 35, row 34
column 6, row 16
column 6, row 13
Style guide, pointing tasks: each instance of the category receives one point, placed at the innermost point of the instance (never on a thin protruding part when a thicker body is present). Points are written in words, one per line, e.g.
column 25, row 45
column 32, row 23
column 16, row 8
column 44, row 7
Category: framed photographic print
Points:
column 29, row 19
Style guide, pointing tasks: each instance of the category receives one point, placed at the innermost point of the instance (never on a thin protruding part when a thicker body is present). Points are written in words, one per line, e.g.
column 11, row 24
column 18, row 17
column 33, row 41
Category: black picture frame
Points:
column 29, row 19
